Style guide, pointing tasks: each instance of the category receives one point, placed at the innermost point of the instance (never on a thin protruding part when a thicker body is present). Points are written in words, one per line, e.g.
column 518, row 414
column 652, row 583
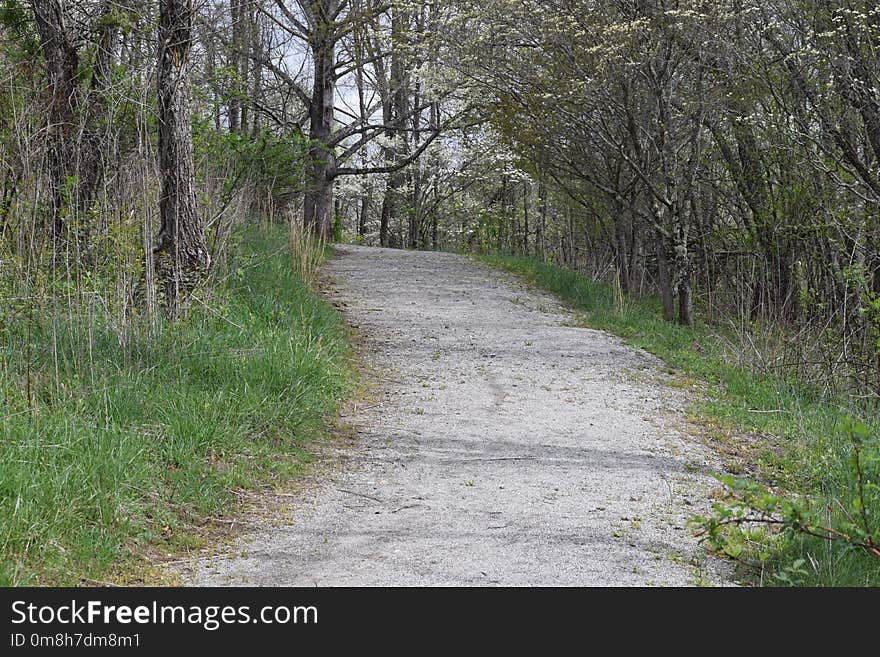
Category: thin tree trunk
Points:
column 362, row 215
column 540, row 237
column 620, row 243
column 664, row 281
column 211, row 64
column 256, row 50
column 634, row 283
column 395, row 112
column 682, row 274
column 502, row 220
column 384, row 218
column 435, row 173
column 233, row 108
column 243, row 63
column 362, row 107
column 415, row 174
column 526, row 218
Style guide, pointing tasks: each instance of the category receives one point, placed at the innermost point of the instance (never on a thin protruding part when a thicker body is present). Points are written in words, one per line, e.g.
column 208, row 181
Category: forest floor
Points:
column 502, row 444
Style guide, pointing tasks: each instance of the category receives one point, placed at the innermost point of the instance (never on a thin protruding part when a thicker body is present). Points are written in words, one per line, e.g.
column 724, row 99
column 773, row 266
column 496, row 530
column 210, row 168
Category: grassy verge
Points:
column 783, row 430
column 115, row 446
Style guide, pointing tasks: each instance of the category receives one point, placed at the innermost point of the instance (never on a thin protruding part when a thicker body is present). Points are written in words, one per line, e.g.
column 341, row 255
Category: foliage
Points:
column 268, row 162
column 719, row 154
column 112, row 448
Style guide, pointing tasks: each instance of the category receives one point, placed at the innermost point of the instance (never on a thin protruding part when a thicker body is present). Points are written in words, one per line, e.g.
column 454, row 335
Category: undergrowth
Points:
column 112, row 444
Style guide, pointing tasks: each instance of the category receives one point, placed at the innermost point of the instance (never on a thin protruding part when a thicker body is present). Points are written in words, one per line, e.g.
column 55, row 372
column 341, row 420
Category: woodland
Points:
column 702, row 178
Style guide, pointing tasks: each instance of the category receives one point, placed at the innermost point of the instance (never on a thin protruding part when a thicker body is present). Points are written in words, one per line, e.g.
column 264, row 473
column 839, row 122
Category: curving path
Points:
column 505, row 446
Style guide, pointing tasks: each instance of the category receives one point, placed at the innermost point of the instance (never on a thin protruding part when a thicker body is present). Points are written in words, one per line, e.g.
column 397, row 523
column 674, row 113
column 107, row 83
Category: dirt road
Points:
column 505, row 446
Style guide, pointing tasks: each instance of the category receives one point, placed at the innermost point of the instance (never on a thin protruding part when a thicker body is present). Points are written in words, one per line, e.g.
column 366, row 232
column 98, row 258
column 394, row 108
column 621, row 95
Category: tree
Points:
column 181, row 235
column 336, row 134
column 75, row 106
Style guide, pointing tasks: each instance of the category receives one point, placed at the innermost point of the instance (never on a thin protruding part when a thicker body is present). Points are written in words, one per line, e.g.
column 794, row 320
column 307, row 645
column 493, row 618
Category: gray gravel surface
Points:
column 505, row 446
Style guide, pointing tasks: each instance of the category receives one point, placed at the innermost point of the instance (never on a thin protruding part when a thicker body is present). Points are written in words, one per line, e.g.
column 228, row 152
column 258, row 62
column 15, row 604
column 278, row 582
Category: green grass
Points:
column 796, row 443
column 124, row 445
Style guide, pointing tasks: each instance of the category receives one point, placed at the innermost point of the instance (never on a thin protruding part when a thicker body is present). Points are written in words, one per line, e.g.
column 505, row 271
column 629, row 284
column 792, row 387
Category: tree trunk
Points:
column 318, row 202
column 362, row 215
column 367, row 188
column 243, row 62
column 391, row 198
column 62, row 61
column 634, row 283
column 256, row 51
column 621, row 255
column 74, row 147
column 233, row 108
column 525, row 218
column 435, row 242
column 395, row 112
column 385, row 216
column 181, row 235
column 664, row 281
column 414, row 172
column 388, row 197
column 211, row 71
column 321, row 171
column 435, row 173
column 542, row 227
column 682, row 261
column 685, row 303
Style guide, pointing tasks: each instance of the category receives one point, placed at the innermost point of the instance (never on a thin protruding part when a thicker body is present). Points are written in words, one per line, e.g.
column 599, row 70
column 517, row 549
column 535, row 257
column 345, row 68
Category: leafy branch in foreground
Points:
column 850, row 518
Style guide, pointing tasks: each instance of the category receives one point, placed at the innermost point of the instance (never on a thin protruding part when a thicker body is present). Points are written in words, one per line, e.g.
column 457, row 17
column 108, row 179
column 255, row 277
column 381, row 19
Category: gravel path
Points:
column 504, row 447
